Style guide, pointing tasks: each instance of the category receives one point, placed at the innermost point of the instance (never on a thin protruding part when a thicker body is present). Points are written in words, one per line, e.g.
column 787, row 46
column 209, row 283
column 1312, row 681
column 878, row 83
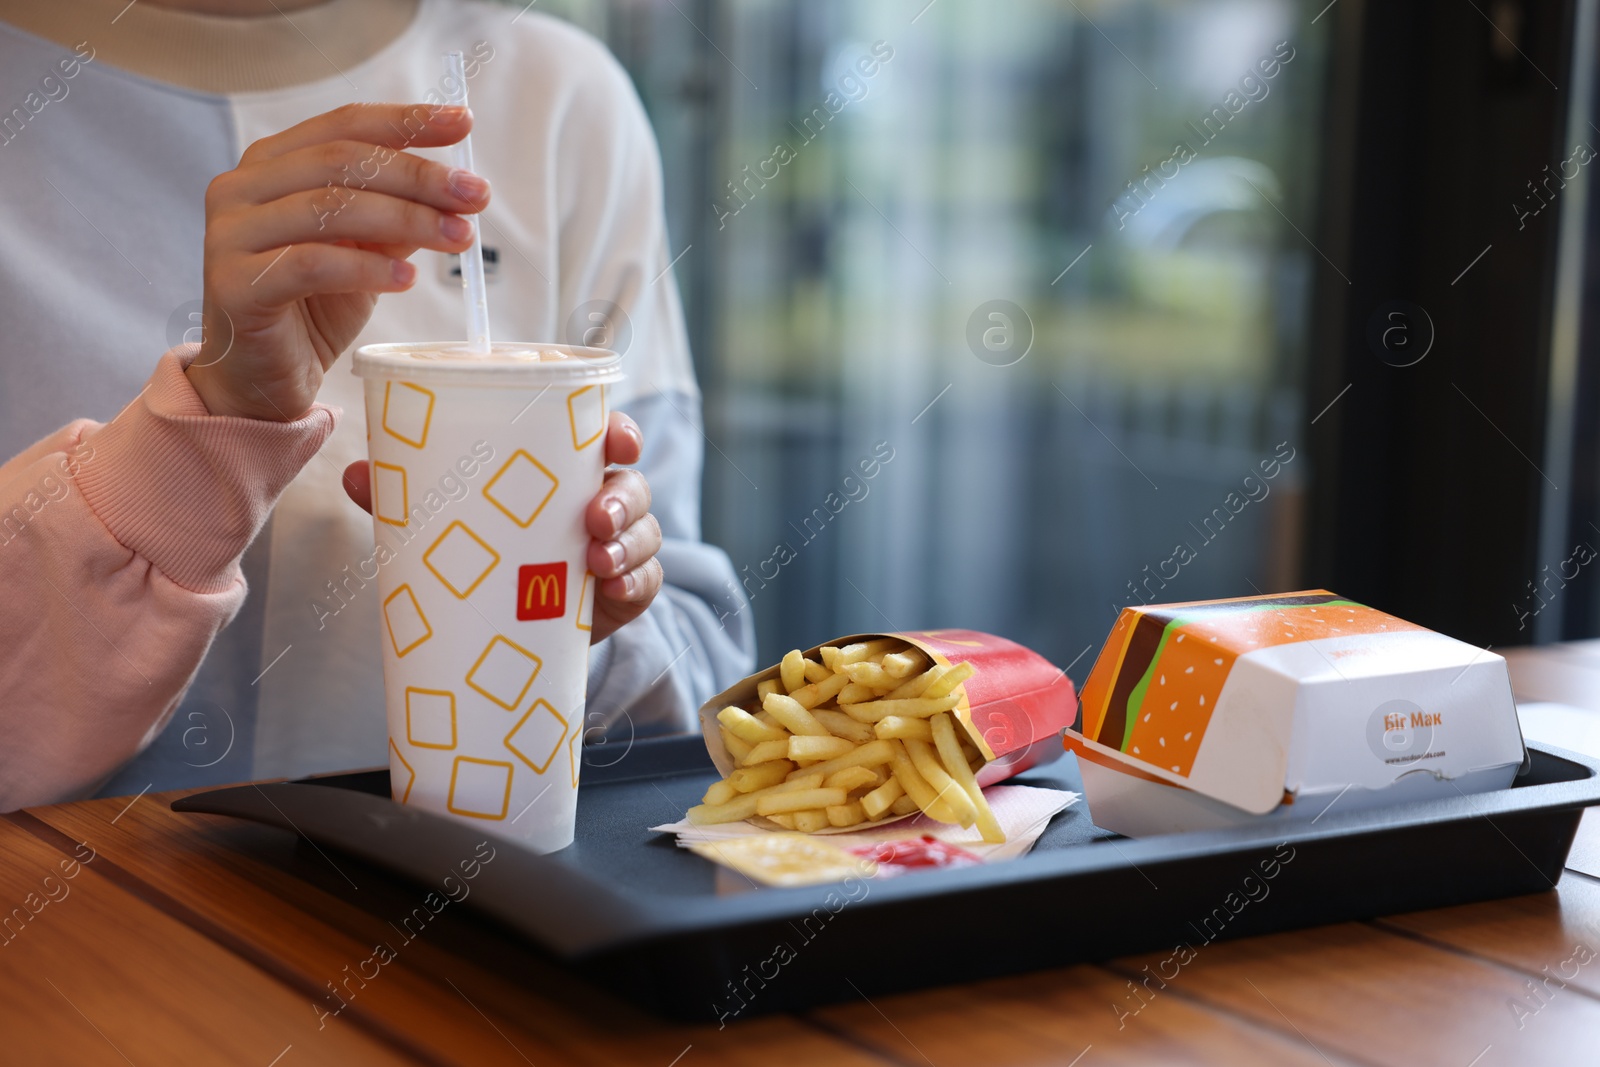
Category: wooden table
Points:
column 165, row 939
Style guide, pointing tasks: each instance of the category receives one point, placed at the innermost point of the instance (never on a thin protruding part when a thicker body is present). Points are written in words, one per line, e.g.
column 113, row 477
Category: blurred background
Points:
column 943, row 260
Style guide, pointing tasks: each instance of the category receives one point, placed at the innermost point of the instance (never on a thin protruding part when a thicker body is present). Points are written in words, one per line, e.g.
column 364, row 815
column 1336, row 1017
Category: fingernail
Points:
column 617, row 554
column 629, row 584
column 449, row 116
column 404, row 271
column 455, row 228
column 467, row 185
column 619, row 515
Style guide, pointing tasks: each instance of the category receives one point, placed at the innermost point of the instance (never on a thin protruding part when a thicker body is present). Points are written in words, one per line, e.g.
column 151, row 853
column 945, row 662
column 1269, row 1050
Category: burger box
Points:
column 1214, row 714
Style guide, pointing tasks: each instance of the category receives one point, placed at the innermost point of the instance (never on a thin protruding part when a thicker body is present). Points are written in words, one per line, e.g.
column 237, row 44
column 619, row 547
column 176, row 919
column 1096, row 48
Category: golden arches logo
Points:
column 547, row 586
column 541, row 591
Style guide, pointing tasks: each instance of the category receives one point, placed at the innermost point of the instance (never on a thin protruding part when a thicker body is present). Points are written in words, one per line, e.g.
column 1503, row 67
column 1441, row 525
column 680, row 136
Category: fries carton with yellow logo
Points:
column 1214, row 713
column 1008, row 713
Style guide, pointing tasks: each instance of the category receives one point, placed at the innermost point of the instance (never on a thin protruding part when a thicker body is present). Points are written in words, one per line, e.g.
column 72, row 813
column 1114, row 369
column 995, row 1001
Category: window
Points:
column 1042, row 269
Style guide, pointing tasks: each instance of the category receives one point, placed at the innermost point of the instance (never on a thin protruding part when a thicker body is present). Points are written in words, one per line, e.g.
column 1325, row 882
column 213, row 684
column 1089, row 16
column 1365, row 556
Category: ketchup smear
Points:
column 914, row 853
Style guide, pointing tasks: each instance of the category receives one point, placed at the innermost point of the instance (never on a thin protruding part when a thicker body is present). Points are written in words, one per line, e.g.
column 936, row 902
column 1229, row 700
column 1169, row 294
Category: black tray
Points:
column 659, row 925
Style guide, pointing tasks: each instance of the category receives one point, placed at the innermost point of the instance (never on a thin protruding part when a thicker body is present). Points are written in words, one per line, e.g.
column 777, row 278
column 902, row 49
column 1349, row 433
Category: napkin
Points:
column 1023, row 812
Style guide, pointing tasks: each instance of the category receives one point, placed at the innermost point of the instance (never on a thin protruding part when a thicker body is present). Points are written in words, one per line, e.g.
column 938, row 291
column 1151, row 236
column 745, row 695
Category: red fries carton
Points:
column 1217, row 713
column 1013, row 708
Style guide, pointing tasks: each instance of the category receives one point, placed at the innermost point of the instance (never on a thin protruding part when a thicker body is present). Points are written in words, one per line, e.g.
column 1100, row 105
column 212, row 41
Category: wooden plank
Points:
column 1054, row 1017
column 1363, row 992
column 311, row 920
column 1553, row 938
column 92, row 975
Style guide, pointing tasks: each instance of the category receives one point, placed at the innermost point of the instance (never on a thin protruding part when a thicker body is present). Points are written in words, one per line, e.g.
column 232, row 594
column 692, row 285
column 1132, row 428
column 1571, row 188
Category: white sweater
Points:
column 105, row 174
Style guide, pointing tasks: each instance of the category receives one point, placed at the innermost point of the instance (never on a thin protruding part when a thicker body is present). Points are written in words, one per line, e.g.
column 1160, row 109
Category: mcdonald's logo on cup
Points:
column 541, row 591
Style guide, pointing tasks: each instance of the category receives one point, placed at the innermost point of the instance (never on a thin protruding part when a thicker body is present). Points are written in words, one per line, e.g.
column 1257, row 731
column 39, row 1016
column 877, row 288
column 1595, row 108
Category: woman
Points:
column 116, row 122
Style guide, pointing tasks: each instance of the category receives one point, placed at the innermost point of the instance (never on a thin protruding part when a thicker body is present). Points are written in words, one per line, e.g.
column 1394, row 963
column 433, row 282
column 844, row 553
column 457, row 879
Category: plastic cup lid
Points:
column 509, row 364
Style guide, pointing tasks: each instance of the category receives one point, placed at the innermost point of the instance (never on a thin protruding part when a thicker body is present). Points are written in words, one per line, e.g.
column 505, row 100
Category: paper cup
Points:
column 481, row 471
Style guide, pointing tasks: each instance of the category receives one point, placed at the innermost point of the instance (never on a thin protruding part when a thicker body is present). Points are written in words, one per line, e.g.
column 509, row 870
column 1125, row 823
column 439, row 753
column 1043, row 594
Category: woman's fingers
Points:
column 390, row 125
column 312, row 215
column 628, row 550
column 328, row 242
column 624, row 440
column 275, row 278
column 637, row 587
column 358, row 484
column 626, row 536
column 397, row 251
column 339, row 171
column 623, row 500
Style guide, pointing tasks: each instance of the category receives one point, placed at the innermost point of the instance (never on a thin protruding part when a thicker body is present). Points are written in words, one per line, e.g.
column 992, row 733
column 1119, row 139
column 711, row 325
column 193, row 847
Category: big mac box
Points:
column 1220, row 713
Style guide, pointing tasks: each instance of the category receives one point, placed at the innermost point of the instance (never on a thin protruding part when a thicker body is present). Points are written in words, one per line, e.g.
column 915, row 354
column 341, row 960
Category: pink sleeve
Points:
column 119, row 562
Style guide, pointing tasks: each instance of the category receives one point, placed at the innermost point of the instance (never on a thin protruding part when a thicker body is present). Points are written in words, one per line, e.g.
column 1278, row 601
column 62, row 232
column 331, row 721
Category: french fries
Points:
column 917, row 788
column 747, row 727
column 816, row 672
column 737, row 746
column 852, row 778
column 819, row 748
column 792, row 671
column 846, row 814
column 875, row 803
column 902, row 665
column 855, row 693
column 939, row 780
column 871, row 674
column 914, row 687
column 793, row 715
column 868, row 734
column 762, row 775
column 948, row 681
column 841, row 725
column 809, row 822
column 902, row 728
column 800, row 800
column 765, row 751
column 944, row 738
column 915, row 708
column 817, row 693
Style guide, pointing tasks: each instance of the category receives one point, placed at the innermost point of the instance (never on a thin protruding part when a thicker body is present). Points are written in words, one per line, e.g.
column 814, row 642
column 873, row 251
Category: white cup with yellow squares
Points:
column 482, row 468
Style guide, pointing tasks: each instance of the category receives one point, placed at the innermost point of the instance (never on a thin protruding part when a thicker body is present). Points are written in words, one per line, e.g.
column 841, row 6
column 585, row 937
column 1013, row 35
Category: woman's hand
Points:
column 625, row 536
column 303, row 235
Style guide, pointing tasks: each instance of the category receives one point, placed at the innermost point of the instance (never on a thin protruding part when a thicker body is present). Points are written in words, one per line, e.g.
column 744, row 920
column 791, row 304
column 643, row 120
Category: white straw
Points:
column 472, row 259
